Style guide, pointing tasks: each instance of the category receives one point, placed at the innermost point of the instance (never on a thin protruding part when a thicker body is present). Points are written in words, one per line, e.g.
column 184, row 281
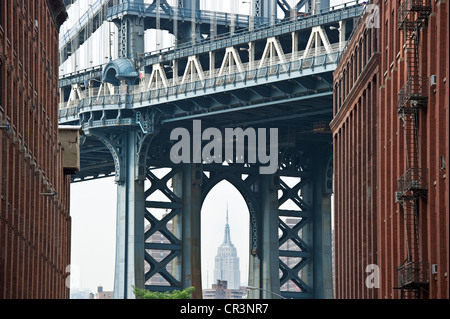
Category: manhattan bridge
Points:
column 269, row 68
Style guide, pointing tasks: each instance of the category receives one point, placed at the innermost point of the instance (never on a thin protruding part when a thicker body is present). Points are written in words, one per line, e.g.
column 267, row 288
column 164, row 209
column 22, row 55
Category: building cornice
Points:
column 369, row 70
column 58, row 12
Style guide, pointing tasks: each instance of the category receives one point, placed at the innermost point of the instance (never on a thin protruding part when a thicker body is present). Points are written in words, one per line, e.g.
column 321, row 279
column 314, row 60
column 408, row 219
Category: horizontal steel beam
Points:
column 293, row 213
column 162, row 246
column 246, row 108
column 293, row 253
column 168, row 205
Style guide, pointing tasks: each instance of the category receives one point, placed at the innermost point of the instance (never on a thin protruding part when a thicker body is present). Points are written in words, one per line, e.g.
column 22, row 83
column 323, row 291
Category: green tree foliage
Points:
column 176, row 294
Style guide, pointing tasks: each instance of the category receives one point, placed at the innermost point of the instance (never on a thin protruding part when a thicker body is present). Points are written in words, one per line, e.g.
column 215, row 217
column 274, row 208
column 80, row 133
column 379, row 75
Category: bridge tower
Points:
column 290, row 245
column 131, row 33
column 192, row 31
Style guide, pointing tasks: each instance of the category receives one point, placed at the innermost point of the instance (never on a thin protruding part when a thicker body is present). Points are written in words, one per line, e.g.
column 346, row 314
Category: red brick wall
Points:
column 391, row 242
column 433, row 137
column 435, row 140
column 387, row 245
column 34, row 229
column 354, row 126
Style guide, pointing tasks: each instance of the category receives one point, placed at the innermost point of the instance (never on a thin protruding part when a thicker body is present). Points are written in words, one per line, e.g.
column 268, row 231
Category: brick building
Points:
column 391, row 149
column 220, row 291
column 34, row 191
column 100, row 294
column 356, row 82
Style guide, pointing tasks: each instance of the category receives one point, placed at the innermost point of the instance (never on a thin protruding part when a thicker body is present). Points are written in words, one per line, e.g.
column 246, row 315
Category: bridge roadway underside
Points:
column 306, row 113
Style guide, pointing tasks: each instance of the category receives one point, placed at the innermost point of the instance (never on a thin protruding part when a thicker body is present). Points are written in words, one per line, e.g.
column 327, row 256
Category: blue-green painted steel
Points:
column 270, row 281
column 132, row 126
column 323, row 285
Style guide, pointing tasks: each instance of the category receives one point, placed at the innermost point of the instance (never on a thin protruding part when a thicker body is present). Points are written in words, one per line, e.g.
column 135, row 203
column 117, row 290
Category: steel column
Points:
column 177, row 225
column 266, row 9
column 192, row 200
column 307, row 273
column 270, row 282
column 322, row 262
column 264, row 262
column 131, row 35
column 129, row 270
column 190, row 33
column 127, row 148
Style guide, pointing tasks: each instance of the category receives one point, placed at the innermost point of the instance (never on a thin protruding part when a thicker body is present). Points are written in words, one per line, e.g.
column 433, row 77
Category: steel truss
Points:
column 282, row 256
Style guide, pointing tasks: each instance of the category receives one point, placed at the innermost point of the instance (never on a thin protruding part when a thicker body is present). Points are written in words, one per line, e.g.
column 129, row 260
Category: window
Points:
column 1, row 85
column 8, row 103
column 336, row 100
column 399, row 34
column 392, row 41
column 343, row 85
column 7, row 19
column 386, row 51
column 375, row 42
column 34, row 67
column 360, row 49
column 15, row 30
column 350, row 71
column 1, row 15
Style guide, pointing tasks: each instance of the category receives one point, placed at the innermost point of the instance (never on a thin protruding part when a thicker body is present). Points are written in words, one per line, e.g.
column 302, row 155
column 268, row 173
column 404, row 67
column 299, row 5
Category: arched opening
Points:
column 111, row 76
column 218, row 239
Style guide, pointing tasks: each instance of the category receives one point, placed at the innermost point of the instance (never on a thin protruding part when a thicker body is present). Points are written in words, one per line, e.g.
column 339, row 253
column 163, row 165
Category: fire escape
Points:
column 413, row 272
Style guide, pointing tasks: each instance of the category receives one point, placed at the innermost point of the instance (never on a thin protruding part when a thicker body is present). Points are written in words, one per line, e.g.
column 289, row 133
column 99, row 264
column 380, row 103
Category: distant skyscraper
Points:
column 226, row 266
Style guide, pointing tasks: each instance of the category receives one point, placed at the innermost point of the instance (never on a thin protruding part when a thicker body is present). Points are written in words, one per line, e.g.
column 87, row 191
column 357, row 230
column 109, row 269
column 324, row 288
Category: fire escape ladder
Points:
column 411, row 219
column 410, row 130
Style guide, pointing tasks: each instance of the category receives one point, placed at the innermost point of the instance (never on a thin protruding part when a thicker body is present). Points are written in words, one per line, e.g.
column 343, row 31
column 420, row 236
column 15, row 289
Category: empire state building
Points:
column 226, row 265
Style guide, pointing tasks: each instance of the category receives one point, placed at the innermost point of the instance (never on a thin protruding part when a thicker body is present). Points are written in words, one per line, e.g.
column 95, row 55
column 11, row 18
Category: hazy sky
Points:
column 93, row 211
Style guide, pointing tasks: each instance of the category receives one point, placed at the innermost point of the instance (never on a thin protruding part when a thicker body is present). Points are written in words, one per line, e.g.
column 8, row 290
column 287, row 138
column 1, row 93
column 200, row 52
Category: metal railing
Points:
column 415, row 89
column 182, row 13
column 412, row 274
column 422, row 7
column 139, row 94
column 413, row 180
column 82, row 75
